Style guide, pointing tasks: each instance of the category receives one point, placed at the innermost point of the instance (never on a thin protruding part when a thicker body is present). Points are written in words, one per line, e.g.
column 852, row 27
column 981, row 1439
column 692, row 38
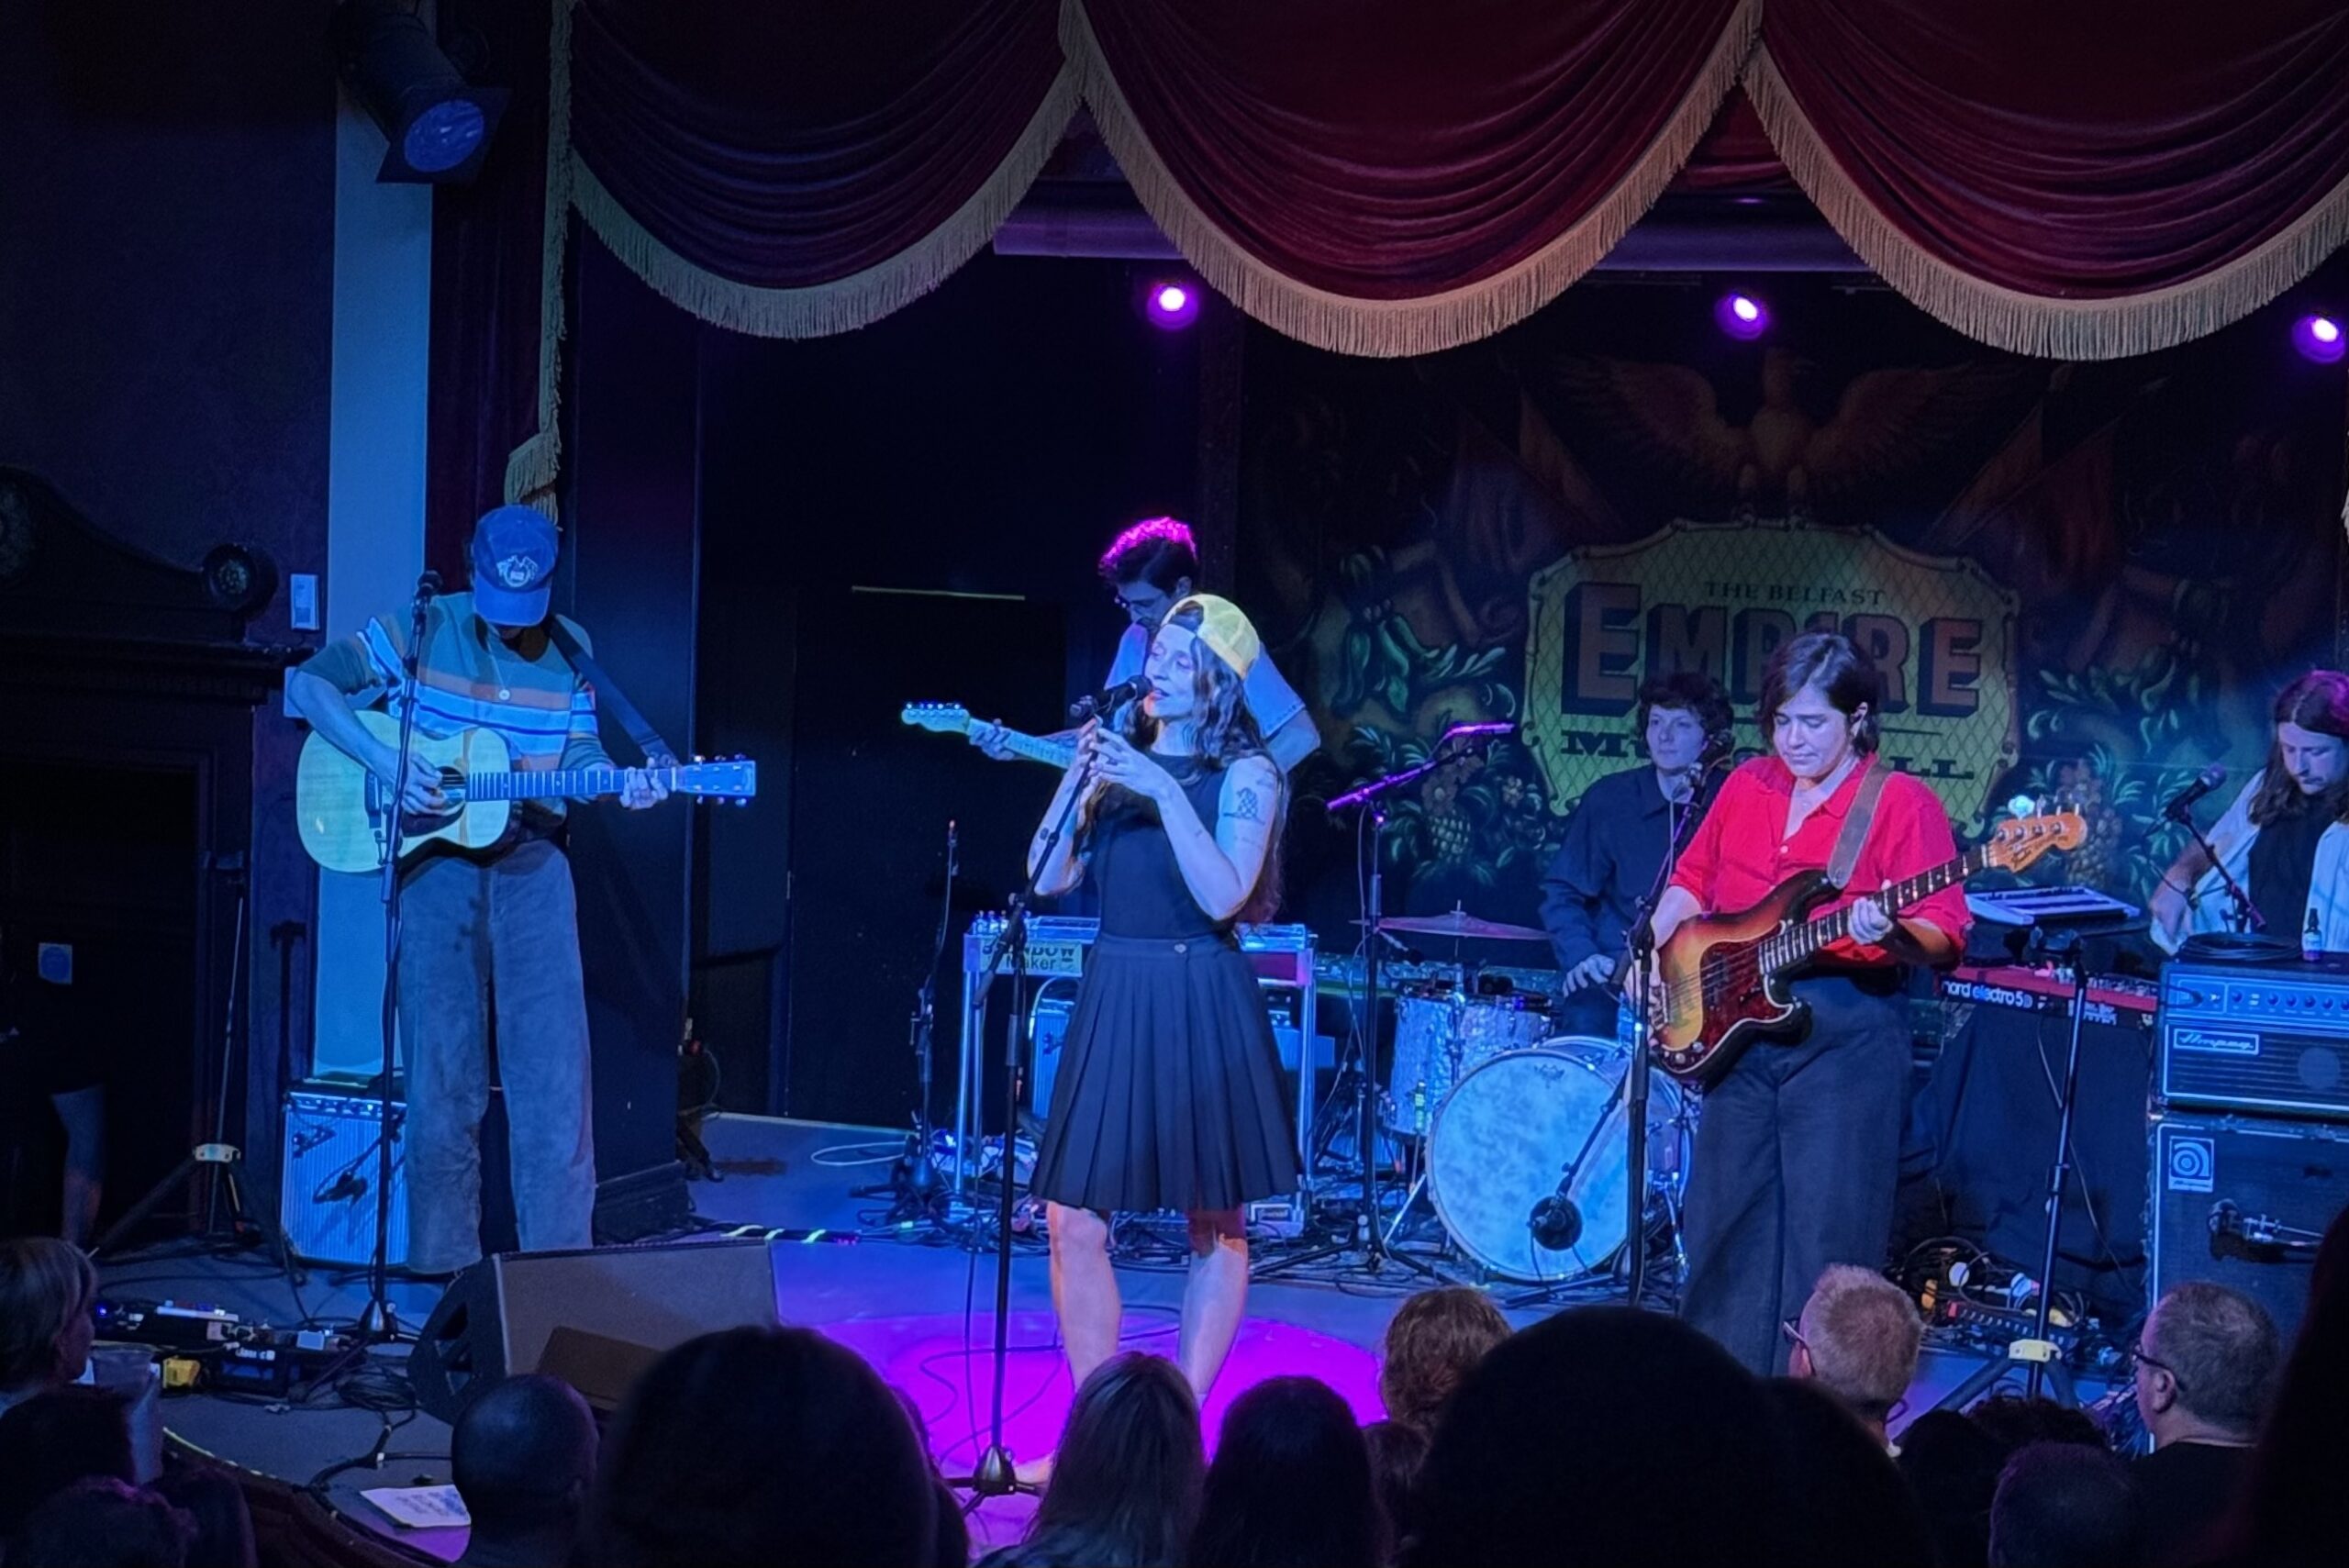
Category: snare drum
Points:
column 1515, row 1127
column 1441, row 1035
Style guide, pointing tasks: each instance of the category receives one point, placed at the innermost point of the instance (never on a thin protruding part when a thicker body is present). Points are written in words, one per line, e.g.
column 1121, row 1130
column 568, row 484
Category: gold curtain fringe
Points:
column 532, row 467
column 1391, row 329
column 2039, row 324
column 843, row 303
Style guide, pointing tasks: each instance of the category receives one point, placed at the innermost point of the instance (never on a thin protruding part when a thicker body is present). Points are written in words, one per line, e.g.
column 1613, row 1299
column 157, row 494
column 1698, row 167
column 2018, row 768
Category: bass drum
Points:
column 1518, row 1123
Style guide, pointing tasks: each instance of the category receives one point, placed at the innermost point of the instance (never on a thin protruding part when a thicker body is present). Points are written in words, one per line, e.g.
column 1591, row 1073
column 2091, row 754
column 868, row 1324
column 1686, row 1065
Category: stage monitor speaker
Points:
column 593, row 1318
column 2218, row 1182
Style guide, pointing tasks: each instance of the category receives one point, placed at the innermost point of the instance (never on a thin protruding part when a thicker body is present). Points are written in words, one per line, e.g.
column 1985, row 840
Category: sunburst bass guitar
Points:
column 1725, row 977
column 345, row 812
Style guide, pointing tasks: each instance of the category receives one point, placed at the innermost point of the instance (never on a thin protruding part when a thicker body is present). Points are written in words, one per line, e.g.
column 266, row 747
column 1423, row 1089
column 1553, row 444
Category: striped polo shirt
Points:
column 468, row 679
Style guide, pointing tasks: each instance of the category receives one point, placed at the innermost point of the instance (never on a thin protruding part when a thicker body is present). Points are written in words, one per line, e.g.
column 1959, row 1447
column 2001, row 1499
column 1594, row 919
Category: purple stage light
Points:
column 1173, row 304
column 2320, row 338
column 1741, row 315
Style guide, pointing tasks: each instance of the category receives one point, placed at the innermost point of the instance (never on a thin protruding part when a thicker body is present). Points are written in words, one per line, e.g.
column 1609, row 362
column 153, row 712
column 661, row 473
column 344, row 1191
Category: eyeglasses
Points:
column 2138, row 1356
column 1792, row 1329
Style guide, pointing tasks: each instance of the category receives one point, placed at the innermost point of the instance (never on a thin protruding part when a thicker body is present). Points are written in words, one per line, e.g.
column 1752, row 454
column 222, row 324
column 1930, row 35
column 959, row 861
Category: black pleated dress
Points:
column 1169, row 1094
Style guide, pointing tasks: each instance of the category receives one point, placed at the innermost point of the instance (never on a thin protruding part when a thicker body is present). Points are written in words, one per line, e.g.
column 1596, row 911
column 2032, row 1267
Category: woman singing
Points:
column 1798, row 1150
column 1169, row 1092
column 2282, row 840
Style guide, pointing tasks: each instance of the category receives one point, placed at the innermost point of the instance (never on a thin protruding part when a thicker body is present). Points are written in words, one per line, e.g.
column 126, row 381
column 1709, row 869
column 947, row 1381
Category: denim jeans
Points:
column 1797, row 1159
column 477, row 936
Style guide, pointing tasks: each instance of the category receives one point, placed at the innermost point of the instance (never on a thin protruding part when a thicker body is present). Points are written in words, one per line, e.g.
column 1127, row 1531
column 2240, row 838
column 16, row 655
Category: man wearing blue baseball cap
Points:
column 495, row 929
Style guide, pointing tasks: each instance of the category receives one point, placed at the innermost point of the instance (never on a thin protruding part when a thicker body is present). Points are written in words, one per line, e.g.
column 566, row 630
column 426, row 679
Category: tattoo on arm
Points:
column 1247, row 808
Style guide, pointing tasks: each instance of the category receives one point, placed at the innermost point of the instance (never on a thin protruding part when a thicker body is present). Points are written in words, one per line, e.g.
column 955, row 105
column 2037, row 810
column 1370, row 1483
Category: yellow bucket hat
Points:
column 1225, row 629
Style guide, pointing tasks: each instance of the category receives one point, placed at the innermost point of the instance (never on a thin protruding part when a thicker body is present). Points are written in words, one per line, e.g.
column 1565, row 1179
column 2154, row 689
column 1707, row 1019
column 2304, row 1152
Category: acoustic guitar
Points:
column 1725, row 976
column 953, row 718
column 345, row 812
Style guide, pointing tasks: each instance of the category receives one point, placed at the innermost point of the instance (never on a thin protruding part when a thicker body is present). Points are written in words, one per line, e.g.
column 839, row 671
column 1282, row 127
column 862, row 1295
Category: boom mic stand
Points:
column 1368, row 1231
column 994, row 1475
column 377, row 1321
column 2247, row 918
column 1556, row 1217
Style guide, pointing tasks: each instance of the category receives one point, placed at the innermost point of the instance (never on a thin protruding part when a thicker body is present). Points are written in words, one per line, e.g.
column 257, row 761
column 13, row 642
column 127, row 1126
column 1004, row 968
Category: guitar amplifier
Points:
column 326, row 1198
column 2269, row 1038
column 2242, row 1201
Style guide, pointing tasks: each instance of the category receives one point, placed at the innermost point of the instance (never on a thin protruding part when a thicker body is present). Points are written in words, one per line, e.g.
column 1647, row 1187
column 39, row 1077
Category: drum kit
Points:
column 1503, row 1115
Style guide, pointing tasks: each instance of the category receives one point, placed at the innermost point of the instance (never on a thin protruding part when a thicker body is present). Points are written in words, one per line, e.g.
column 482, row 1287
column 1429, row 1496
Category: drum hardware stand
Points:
column 913, row 1183
column 2040, row 1359
column 1367, row 1232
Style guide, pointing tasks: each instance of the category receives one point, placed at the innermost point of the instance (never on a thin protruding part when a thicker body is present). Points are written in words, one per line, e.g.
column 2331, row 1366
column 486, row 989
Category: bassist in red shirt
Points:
column 1797, row 1153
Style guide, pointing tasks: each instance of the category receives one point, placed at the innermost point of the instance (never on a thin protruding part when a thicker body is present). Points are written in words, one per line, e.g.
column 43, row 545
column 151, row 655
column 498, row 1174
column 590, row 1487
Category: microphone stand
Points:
column 913, row 1181
column 1367, row 1228
column 377, row 1321
column 995, row 1476
column 1634, row 1091
column 2246, row 916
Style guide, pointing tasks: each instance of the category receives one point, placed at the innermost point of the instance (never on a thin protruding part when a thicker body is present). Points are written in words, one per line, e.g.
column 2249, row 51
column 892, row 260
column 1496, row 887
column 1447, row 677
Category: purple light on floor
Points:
column 2320, row 338
column 1741, row 315
column 1173, row 304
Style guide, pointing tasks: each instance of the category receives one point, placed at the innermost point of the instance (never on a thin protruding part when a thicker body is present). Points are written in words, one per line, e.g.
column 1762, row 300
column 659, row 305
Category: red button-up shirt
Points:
column 1742, row 851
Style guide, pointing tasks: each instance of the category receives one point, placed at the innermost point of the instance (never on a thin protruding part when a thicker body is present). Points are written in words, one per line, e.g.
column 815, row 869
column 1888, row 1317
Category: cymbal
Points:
column 1459, row 924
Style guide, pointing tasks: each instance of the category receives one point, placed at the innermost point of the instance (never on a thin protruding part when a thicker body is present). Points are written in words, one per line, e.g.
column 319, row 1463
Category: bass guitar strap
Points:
column 657, row 752
column 1855, row 824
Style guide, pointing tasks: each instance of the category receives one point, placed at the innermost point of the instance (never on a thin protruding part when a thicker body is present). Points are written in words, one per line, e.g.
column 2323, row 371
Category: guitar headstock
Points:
column 719, row 779
column 938, row 717
column 2015, row 843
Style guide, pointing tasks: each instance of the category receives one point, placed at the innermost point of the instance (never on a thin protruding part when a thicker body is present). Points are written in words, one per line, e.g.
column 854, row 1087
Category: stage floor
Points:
column 921, row 1314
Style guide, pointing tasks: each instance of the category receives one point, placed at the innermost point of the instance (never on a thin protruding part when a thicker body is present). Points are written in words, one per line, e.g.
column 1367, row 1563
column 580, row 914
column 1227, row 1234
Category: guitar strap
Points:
column 1855, row 824
column 657, row 752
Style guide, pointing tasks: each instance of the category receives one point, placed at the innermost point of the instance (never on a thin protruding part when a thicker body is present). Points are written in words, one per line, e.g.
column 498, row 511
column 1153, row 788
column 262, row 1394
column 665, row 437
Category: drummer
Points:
column 1617, row 839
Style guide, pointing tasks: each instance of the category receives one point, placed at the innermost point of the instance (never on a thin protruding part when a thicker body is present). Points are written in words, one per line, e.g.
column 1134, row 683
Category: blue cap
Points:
column 513, row 552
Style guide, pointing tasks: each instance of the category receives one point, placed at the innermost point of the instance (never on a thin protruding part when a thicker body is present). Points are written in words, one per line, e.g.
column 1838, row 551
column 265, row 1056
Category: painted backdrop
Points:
column 2080, row 578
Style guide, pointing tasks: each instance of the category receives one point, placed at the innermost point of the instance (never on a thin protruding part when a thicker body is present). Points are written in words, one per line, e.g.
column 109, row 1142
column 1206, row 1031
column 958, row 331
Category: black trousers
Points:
column 1795, row 1166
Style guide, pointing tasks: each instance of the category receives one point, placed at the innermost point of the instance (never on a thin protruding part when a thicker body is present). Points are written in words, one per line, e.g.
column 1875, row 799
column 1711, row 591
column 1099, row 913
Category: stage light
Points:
column 1173, row 304
column 1741, row 315
column 2320, row 338
column 438, row 124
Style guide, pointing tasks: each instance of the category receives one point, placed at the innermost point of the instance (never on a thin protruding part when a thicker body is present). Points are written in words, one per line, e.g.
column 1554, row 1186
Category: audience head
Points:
column 215, row 1506
column 1638, row 1429
column 46, row 1291
column 523, row 1458
column 1397, row 1455
column 2295, row 1509
column 2205, row 1365
column 100, row 1522
column 2017, row 1420
column 1952, row 1466
column 1290, row 1486
column 1858, row 1337
column 1847, row 1503
column 55, row 1439
column 1433, row 1342
column 2064, row 1505
column 720, row 1453
column 1127, row 1481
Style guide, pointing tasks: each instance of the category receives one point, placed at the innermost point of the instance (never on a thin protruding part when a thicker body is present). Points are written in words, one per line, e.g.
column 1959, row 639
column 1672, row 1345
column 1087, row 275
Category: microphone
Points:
column 1110, row 698
column 2209, row 779
column 1555, row 1222
column 428, row 588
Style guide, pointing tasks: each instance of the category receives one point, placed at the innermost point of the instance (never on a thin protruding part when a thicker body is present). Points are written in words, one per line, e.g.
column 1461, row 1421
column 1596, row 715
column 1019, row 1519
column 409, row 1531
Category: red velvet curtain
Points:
column 2069, row 179
column 1317, row 158
column 794, row 146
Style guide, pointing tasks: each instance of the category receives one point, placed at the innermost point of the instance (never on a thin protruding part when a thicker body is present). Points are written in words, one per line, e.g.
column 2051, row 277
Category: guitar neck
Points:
column 560, row 783
column 1036, row 749
column 1802, row 940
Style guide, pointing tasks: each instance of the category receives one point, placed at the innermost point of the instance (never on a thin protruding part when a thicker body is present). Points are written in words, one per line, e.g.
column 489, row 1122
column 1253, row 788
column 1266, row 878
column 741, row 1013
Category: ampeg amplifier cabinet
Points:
column 327, row 1196
column 2269, row 1038
column 2243, row 1201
